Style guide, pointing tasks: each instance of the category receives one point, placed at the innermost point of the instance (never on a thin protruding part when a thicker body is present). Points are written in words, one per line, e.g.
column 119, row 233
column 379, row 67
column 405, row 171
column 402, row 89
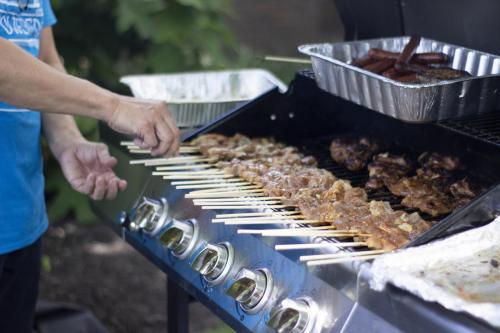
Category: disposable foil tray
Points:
column 415, row 103
column 198, row 98
column 461, row 272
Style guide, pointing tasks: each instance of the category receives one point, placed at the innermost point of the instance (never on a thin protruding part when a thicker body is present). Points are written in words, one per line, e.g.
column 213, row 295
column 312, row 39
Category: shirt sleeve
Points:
column 48, row 17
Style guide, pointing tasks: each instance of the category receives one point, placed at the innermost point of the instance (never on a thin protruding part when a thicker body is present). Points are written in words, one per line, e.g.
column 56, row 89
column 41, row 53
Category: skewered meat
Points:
column 283, row 171
column 353, row 153
column 386, row 169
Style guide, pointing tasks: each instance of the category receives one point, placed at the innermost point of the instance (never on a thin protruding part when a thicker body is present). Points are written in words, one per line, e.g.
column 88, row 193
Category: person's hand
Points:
column 88, row 167
column 149, row 122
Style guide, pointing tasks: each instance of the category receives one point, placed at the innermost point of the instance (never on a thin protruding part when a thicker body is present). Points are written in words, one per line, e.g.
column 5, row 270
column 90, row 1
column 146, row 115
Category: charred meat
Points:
column 353, row 153
column 387, row 169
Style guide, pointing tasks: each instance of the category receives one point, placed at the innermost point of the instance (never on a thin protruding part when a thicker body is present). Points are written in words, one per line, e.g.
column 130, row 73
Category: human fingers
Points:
column 122, row 185
column 85, row 186
column 112, row 188
column 99, row 189
column 165, row 138
column 104, row 157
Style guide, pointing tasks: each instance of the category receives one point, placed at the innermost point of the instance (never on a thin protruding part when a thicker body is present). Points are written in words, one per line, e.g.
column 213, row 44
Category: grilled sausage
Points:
column 392, row 73
column 362, row 62
column 380, row 54
column 409, row 50
column 430, row 58
column 380, row 66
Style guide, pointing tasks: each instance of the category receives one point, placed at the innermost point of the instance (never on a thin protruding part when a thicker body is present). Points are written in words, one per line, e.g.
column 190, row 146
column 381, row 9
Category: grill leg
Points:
column 177, row 308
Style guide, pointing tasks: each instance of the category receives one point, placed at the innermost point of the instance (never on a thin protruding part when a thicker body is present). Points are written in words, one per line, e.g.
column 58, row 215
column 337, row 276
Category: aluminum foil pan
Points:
column 416, row 103
column 462, row 272
column 198, row 98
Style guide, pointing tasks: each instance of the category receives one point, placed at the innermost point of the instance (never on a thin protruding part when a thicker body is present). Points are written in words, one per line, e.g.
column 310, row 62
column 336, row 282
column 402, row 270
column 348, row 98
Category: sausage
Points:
column 392, row 73
column 409, row 50
column 362, row 62
column 380, row 66
column 421, row 58
column 380, row 54
column 430, row 58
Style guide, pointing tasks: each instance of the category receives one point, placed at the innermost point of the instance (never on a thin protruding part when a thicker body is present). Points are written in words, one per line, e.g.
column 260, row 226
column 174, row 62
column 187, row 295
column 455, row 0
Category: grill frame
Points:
column 341, row 291
column 309, row 113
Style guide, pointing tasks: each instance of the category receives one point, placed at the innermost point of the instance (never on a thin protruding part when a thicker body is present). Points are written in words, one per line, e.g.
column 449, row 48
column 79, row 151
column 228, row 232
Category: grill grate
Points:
column 485, row 127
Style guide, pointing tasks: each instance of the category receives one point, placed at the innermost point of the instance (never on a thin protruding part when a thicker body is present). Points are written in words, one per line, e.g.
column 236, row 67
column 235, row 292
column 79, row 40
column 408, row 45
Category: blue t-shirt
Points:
column 22, row 208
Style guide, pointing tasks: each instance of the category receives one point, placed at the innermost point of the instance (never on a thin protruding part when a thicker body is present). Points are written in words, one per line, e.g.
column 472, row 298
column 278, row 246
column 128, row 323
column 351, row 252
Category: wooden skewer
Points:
column 140, row 151
column 291, row 217
column 232, row 201
column 222, row 176
column 305, row 233
column 263, row 214
column 275, row 221
column 312, row 233
column 132, row 144
column 277, row 231
column 236, row 193
column 311, row 246
column 239, row 203
column 127, row 143
column 189, row 173
column 184, row 167
column 209, row 181
column 213, row 185
column 340, row 260
column 144, row 161
column 172, row 160
column 302, row 229
column 339, row 255
column 260, row 218
column 244, row 207
column 288, row 59
column 179, row 160
column 237, row 199
column 226, row 189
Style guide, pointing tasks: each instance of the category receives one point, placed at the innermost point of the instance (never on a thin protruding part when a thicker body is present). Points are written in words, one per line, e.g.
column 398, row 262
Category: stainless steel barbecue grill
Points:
column 254, row 287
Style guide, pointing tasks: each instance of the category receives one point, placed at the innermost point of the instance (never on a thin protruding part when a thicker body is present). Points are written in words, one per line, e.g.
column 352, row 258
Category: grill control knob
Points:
column 291, row 316
column 251, row 288
column 149, row 216
column 214, row 262
column 180, row 237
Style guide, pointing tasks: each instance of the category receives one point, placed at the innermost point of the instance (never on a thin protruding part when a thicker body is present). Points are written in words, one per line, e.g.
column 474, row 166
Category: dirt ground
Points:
column 91, row 267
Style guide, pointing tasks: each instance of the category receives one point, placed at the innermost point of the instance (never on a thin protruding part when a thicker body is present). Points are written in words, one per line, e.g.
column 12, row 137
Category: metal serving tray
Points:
column 415, row 103
column 199, row 97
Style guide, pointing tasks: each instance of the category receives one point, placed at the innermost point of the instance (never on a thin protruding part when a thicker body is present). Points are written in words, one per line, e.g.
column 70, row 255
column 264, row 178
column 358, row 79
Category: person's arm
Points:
column 30, row 83
column 86, row 165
